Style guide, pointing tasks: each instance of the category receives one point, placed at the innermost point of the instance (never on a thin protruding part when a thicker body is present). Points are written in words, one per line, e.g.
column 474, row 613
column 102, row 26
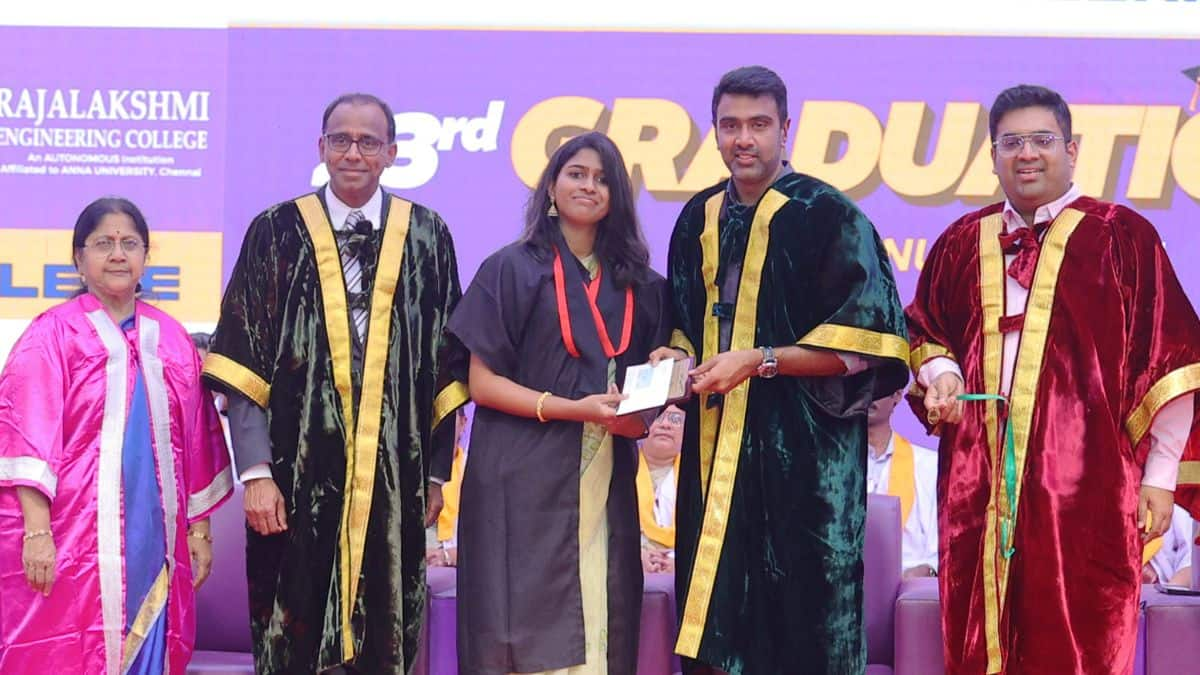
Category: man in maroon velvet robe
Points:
column 1069, row 308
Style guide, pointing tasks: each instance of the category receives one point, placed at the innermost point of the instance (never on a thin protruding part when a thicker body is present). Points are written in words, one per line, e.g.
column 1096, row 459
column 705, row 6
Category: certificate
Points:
column 648, row 387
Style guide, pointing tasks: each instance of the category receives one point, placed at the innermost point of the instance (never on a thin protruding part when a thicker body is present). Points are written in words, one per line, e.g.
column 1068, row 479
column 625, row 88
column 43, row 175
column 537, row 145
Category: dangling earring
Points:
column 553, row 210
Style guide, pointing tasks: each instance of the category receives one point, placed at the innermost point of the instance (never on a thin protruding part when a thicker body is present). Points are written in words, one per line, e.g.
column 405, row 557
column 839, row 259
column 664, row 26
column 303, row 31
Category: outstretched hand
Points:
column 723, row 372
column 599, row 408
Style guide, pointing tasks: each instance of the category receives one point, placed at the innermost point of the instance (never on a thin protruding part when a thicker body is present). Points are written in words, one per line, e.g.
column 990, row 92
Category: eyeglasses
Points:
column 367, row 145
column 1014, row 144
column 106, row 245
column 673, row 417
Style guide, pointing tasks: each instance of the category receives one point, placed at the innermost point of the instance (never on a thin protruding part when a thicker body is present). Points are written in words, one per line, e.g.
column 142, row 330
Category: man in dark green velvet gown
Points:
column 330, row 344
column 784, row 294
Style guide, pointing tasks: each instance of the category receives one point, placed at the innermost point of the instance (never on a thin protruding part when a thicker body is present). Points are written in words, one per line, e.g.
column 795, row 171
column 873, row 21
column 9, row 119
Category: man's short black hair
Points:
column 358, row 98
column 752, row 81
column 1030, row 96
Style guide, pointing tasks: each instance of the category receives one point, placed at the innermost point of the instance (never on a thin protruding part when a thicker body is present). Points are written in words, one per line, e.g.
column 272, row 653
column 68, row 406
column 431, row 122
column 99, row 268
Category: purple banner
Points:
column 898, row 122
column 92, row 112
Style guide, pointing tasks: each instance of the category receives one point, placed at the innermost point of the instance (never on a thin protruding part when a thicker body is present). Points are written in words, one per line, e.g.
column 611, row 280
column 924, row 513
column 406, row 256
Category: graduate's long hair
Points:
column 620, row 245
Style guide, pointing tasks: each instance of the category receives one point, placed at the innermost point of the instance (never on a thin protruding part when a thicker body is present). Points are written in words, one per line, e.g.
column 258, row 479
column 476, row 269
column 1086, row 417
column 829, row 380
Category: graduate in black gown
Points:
column 549, row 571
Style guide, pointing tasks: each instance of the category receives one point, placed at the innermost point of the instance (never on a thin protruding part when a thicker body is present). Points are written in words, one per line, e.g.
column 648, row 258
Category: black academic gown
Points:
column 519, row 601
column 345, row 582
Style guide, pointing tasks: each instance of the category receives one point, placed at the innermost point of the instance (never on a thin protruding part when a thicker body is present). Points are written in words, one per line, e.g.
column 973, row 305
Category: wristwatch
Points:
column 770, row 366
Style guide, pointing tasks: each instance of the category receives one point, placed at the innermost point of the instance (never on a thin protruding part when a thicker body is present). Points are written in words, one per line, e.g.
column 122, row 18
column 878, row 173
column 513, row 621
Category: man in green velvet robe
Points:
column 783, row 293
column 330, row 344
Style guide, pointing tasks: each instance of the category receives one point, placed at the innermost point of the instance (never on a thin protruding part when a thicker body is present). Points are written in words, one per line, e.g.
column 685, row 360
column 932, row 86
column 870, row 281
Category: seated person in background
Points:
column 441, row 538
column 202, row 341
column 897, row 467
column 657, row 478
column 1168, row 559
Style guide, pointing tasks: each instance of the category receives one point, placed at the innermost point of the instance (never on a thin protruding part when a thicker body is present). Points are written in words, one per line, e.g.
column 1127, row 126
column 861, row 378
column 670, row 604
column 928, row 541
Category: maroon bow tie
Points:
column 1023, row 241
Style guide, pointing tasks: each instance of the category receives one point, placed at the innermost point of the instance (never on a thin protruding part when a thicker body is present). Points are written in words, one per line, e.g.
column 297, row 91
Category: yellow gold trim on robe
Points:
column 336, row 316
column 1027, row 374
column 1189, row 473
column 680, row 341
column 733, row 417
column 239, row 377
column 148, row 613
column 360, row 486
column 709, row 248
column 449, row 399
column 361, row 430
column 1175, row 384
column 991, row 286
column 920, row 355
column 857, row 340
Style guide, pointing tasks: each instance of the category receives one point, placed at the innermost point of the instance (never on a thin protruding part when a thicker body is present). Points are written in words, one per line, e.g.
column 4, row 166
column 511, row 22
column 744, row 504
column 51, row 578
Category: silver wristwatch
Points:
column 770, row 366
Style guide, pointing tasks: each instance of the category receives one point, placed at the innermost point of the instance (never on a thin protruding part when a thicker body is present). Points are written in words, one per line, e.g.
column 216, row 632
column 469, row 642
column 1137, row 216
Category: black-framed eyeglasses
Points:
column 367, row 145
column 106, row 245
column 1012, row 145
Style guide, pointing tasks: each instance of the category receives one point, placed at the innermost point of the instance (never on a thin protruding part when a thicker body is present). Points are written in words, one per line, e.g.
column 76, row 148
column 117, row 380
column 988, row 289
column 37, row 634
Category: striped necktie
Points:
column 352, row 239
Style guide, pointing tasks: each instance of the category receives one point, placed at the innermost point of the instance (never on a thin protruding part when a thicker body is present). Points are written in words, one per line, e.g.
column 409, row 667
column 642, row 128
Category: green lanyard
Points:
column 1010, row 472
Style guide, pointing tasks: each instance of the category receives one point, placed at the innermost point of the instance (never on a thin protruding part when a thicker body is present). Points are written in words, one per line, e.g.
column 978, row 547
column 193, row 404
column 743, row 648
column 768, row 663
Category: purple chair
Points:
column 222, row 605
column 1168, row 641
column 656, row 641
column 881, row 569
column 441, row 638
column 1172, row 632
column 919, row 628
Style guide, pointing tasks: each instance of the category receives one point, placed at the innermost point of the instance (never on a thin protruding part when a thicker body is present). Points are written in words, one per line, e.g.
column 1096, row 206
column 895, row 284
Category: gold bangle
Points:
column 35, row 534
column 541, row 402
column 200, row 535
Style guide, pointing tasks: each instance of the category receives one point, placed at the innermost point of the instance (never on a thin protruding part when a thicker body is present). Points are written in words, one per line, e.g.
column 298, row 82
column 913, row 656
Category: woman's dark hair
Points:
column 93, row 213
column 620, row 246
column 90, row 219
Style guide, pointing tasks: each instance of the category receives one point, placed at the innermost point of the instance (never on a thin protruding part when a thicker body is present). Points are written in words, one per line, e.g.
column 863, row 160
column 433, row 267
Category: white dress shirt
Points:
column 920, row 541
column 1172, row 424
column 338, row 212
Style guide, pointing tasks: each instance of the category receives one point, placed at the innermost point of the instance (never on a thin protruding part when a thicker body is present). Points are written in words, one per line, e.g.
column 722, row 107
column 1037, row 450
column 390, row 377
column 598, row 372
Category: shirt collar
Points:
column 887, row 452
column 1045, row 213
column 338, row 210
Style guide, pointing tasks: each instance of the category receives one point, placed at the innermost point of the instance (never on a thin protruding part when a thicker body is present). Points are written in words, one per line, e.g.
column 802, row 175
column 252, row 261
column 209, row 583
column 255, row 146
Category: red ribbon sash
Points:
column 592, row 290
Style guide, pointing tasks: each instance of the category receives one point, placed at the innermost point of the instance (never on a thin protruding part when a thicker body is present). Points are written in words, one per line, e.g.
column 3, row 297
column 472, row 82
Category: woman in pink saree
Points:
column 111, row 460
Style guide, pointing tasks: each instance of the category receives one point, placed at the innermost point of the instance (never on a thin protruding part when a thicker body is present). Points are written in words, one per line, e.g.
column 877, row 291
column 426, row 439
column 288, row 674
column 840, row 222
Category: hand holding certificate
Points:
column 648, row 387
